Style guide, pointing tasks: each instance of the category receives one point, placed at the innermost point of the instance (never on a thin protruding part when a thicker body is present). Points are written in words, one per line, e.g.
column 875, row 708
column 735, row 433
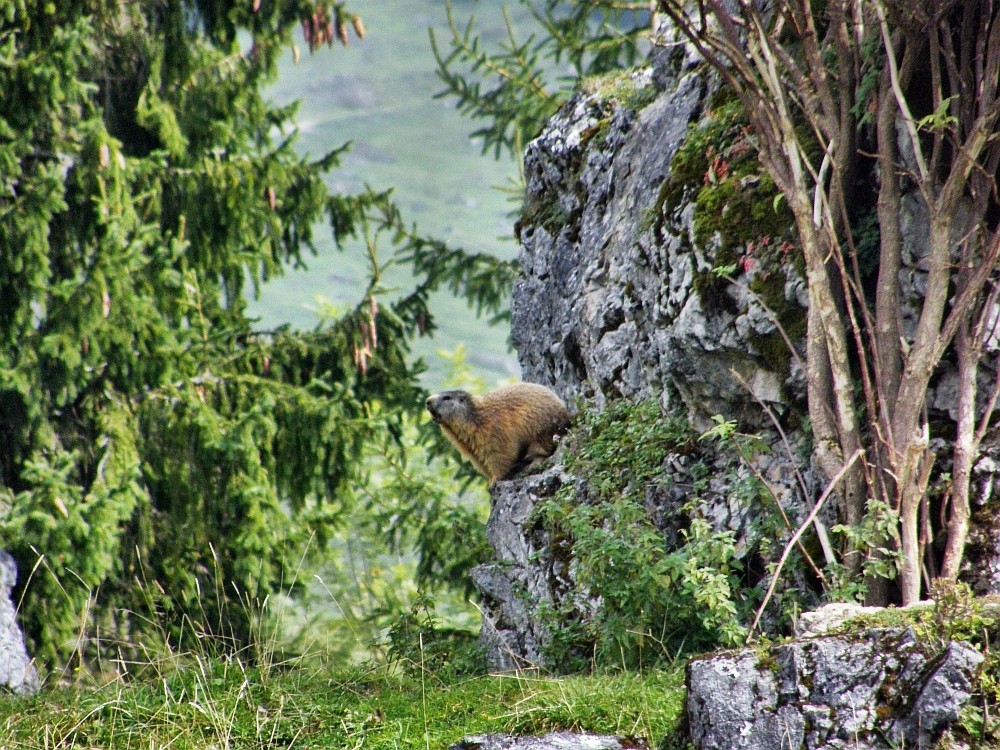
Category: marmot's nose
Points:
column 429, row 403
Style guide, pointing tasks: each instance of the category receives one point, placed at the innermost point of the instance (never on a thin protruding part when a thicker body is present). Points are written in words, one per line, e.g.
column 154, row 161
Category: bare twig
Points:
column 824, row 540
column 798, row 535
column 904, row 107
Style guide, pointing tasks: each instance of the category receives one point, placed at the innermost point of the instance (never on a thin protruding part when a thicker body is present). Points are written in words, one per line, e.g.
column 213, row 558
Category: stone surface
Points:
column 607, row 306
column 523, row 576
column 873, row 690
column 835, row 615
column 612, row 304
column 554, row 741
column 17, row 673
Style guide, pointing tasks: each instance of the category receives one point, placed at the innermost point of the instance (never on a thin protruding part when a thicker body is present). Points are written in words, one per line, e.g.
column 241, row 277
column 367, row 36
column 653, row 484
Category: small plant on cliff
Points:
column 957, row 615
column 655, row 599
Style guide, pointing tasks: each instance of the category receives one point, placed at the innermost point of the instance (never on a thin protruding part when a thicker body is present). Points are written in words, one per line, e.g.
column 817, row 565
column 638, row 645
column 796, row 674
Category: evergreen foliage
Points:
column 509, row 86
column 411, row 529
column 165, row 463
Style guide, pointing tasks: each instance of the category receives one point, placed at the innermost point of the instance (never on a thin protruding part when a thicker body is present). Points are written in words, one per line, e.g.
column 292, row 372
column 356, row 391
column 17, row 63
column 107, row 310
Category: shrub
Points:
column 654, row 599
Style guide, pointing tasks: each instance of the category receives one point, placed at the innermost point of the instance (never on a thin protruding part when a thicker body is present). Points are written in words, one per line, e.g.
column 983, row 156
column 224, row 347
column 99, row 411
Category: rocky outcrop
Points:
column 581, row 316
column 616, row 301
column 633, row 288
column 627, row 293
column 609, row 303
column 873, row 690
column 524, row 577
column 17, row 672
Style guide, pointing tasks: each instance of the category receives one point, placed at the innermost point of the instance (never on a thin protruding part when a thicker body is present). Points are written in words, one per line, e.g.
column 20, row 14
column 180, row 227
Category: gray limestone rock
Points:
column 607, row 305
column 836, row 615
column 17, row 672
column 524, row 575
column 606, row 308
column 618, row 299
column 554, row 741
column 868, row 691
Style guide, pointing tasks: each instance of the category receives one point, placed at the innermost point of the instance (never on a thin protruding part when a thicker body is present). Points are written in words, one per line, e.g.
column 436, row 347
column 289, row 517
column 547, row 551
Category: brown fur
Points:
column 504, row 431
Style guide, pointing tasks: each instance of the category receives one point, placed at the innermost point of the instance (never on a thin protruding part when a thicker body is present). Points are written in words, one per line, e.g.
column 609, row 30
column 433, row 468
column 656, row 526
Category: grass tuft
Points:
column 201, row 703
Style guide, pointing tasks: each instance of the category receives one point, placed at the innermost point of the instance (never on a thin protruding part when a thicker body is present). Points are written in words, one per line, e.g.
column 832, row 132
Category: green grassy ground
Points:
column 218, row 704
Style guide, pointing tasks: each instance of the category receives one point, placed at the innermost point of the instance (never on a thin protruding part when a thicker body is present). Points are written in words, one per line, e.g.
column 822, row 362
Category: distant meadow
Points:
column 379, row 95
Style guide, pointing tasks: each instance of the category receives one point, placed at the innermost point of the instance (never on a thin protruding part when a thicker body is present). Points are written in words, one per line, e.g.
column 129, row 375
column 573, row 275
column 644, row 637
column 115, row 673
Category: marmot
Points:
column 504, row 431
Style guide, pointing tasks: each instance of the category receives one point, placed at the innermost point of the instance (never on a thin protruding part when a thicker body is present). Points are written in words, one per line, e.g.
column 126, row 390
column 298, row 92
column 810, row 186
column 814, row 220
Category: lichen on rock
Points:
column 872, row 690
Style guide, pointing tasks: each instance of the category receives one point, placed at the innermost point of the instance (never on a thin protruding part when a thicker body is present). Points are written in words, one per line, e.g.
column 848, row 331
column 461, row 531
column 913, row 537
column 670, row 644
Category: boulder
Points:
column 524, row 575
column 553, row 741
column 611, row 305
column 17, row 672
column 873, row 690
column 619, row 299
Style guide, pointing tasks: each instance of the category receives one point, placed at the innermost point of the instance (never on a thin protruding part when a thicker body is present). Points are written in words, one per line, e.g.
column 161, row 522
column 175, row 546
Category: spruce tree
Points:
column 165, row 464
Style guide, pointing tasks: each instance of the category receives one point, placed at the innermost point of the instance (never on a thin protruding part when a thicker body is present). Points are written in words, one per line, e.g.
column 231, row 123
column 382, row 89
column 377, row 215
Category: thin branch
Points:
column 819, row 193
column 981, row 333
column 824, row 539
column 904, row 108
column 798, row 535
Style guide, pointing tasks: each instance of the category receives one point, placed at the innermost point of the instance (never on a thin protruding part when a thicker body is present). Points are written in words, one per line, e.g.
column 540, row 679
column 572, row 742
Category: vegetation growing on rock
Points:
column 742, row 227
column 655, row 599
column 851, row 109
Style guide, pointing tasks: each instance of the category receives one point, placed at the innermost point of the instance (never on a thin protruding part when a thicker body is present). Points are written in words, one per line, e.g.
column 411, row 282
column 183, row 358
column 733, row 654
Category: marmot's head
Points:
column 450, row 407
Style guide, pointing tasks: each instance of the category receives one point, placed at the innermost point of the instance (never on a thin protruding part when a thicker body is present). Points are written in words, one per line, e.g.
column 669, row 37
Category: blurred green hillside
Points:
column 378, row 95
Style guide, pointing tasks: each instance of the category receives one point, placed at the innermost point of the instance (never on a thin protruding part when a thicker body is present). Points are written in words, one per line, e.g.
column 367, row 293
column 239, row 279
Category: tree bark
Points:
column 963, row 453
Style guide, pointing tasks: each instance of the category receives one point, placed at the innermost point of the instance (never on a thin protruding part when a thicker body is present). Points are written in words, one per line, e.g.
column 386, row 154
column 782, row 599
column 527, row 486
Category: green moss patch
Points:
column 740, row 221
column 621, row 87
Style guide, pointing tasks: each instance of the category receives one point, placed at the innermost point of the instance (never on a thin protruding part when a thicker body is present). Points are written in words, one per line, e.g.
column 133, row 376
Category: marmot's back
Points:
column 503, row 431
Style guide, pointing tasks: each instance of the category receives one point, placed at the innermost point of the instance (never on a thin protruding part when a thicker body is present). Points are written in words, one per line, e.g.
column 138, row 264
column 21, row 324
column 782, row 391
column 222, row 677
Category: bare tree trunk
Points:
column 909, row 576
column 963, row 453
column 830, row 375
column 888, row 329
column 909, row 449
column 916, row 466
column 969, row 345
